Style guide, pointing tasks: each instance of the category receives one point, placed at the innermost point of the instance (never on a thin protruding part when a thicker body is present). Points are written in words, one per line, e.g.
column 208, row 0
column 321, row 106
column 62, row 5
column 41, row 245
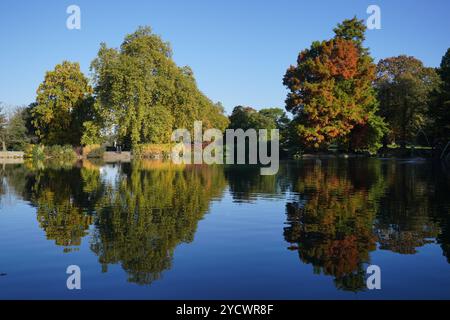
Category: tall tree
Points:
column 439, row 110
column 63, row 103
column 16, row 130
column 404, row 84
column 140, row 81
column 331, row 87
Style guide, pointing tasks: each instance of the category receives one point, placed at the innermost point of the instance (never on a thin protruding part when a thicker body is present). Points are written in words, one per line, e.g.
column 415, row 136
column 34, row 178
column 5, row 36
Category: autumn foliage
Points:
column 330, row 91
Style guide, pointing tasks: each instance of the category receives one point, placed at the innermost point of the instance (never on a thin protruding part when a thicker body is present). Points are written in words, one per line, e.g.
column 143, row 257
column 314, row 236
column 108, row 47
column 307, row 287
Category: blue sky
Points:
column 239, row 50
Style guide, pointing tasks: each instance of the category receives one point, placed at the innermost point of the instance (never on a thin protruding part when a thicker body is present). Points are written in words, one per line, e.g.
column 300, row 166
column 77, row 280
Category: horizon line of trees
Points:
column 337, row 96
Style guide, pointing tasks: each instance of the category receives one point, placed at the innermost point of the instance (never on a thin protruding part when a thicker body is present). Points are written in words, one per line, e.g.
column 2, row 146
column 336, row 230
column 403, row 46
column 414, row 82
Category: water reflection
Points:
column 337, row 212
column 344, row 208
column 330, row 224
column 247, row 184
column 152, row 210
column 139, row 218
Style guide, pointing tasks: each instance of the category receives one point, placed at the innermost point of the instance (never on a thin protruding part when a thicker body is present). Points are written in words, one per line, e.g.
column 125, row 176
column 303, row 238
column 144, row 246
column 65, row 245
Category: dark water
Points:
column 157, row 231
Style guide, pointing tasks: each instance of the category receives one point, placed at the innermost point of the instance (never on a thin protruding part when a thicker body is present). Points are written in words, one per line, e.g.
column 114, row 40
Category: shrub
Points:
column 39, row 152
column 152, row 151
column 65, row 152
column 94, row 151
column 34, row 151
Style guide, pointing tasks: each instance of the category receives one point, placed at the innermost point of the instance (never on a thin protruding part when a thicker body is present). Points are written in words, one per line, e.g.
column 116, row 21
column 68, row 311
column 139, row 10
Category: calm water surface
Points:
column 152, row 230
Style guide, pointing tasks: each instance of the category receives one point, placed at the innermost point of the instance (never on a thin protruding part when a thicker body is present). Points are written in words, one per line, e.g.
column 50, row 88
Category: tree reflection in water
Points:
column 338, row 211
column 344, row 208
column 138, row 219
column 151, row 211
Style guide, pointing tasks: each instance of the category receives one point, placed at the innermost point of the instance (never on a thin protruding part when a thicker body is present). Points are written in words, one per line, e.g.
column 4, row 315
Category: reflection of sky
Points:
column 109, row 174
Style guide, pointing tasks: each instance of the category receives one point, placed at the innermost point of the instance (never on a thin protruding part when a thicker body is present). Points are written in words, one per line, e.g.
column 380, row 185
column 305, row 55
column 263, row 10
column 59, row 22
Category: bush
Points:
column 94, row 151
column 152, row 151
column 34, row 151
column 40, row 152
column 65, row 152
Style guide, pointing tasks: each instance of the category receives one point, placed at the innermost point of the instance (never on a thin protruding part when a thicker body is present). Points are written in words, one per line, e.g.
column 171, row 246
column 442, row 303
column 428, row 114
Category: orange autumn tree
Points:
column 331, row 94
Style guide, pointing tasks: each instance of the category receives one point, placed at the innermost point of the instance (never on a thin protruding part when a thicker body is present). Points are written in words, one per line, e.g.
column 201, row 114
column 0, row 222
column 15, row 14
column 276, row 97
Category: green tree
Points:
column 158, row 125
column 331, row 90
column 439, row 110
column 404, row 84
column 28, row 119
column 140, row 81
column 248, row 118
column 63, row 104
column 16, row 130
column 278, row 115
column 240, row 117
column 352, row 30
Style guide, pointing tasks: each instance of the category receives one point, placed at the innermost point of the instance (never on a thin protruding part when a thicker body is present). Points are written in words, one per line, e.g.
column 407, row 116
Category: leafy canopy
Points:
column 63, row 103
column 143, row 95
column 439, row 110
column 404, row 84
column 330, row 89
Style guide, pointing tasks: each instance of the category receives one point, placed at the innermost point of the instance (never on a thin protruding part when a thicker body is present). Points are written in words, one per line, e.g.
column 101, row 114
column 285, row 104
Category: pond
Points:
column 154, row 230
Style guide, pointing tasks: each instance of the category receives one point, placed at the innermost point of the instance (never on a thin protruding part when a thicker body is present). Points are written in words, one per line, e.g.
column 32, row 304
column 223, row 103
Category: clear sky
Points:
column 239, row 50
